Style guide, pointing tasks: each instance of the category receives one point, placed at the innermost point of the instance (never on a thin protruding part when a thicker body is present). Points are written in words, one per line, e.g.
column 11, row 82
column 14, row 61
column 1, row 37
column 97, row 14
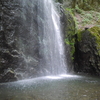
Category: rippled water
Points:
column 70, row 87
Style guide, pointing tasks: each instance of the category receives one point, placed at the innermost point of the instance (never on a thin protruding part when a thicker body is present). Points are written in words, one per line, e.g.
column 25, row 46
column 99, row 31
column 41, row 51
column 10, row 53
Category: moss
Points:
column 70, row 30
column 79, row 35
column 95, row 31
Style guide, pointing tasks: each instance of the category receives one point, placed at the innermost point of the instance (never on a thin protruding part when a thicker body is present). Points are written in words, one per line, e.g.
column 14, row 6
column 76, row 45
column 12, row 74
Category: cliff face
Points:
column 19, row 38
column 16, row 39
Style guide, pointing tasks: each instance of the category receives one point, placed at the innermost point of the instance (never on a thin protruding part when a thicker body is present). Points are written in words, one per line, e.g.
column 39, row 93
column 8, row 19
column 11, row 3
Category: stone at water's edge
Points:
column 87, row 53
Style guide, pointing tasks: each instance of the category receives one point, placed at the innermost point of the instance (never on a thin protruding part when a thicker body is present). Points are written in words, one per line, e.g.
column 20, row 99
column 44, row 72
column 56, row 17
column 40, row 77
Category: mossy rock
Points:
column 70, row 29
column 87, row 51
column 79, row 35
column 95, row 31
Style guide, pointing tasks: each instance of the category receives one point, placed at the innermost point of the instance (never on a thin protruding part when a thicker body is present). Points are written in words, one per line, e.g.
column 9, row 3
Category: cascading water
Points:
column 36, row 43
column 52, row 54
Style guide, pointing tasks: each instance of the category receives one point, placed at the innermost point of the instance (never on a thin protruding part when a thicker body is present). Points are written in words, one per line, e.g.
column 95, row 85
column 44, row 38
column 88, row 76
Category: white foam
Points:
column 68, row 75
column 53, row 77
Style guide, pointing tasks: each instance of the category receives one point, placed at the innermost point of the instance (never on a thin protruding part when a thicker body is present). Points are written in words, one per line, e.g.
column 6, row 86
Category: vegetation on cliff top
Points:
column 86, row 16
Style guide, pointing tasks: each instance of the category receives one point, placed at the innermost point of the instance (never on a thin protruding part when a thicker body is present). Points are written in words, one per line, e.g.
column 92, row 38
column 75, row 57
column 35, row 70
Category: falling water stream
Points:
column 52, row 53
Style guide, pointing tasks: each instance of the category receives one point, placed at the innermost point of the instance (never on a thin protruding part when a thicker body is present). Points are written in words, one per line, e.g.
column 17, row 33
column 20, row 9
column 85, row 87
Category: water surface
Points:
column 70, row 87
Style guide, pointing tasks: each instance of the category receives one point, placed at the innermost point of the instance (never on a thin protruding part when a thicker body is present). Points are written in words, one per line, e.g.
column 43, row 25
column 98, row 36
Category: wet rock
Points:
column 8, row 76
column 18, row 37
column 87, row 51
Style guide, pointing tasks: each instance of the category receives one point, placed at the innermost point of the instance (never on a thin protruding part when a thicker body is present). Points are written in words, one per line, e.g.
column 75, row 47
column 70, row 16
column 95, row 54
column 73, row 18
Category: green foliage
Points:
column 79, row 35
column 71, row 43
column 88, row 18
column 70, row 30
column 78, row 10
column 70, row 10
column 86, row 5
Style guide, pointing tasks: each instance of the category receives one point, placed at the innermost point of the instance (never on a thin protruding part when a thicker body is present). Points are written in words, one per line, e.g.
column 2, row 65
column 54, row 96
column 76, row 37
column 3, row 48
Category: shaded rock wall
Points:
column 18, row 36
column 87, row 56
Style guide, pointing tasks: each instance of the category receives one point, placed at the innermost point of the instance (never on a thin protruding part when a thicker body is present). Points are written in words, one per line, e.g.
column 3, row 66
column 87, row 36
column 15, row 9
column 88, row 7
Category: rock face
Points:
column 87, row 51
column 16, row 38
column 68, row 29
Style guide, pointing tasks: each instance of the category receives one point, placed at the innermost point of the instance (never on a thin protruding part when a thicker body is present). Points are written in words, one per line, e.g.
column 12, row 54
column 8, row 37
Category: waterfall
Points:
column 38, row 39
column 32, row 40
column 51, row 51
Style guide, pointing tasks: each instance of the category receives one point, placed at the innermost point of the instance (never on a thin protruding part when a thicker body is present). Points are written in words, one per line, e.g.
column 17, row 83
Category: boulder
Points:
column 87, row 51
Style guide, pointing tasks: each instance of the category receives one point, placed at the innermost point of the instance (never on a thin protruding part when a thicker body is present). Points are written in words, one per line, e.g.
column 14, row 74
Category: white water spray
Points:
column 52, row 54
